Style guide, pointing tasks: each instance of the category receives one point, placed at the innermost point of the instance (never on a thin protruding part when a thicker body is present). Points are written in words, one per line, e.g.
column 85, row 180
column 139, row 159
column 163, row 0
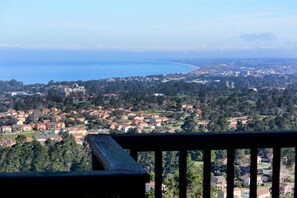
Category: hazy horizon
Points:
column 194, row 28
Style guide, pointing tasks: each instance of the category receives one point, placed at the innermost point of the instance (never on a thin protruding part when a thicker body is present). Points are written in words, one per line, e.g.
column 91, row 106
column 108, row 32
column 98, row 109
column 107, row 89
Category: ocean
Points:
column 43, row 72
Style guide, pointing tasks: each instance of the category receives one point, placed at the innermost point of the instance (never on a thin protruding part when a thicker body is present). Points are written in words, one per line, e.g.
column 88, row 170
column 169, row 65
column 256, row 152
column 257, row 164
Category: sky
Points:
column 214, row 26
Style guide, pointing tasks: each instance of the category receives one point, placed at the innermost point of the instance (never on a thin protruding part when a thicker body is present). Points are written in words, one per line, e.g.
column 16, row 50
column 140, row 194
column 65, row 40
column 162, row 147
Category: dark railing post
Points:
column 230, row 173
column 96, row 165
column 206, row 172
column 295, row 182
column 216, row 141
column 138, row 191
column 158, row 174
column 117, row 168
column 275, row 172
column 133, row 154
column 254, row 172
column 183, row 173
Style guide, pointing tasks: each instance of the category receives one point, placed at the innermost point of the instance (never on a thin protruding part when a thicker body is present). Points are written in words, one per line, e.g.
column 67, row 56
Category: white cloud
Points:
column 44, row 46
column 263, row 36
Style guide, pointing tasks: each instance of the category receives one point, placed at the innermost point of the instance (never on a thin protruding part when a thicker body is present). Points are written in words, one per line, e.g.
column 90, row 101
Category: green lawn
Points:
column 149, row 112
column 27, row 134
column 198, row 163
column 264, row 165
column 252, row 102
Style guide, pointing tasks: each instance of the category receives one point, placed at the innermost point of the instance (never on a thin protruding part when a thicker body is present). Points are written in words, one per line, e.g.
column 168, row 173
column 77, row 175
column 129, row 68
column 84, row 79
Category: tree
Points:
column 20, row 139
column 194, row 179
column 239, row 156
column 237, row 172
column 190, row 124
column 219, row 124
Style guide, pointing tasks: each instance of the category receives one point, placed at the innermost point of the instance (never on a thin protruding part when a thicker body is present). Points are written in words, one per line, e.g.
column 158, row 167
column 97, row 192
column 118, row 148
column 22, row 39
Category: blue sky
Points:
column 201, row 25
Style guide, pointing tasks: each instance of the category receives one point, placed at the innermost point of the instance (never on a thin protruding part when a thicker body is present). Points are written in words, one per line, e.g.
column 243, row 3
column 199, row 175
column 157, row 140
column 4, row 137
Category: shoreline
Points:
column 144, row 72
column 194, row 67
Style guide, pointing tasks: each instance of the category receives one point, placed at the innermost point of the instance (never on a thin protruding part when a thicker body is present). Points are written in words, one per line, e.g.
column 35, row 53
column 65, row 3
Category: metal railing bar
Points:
column 133, row 154
column 275, row 172
column 183, row 173
column 158, row 174
column 112, row 156
column 230, row 172
column 295, row 173
column 206, row 172
column 254, row 171
column 213, row 140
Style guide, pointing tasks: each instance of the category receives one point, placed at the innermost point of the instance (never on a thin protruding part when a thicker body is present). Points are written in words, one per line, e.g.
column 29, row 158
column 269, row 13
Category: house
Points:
column 263, row 193
column 77, row 129
column 143, row 124
column 233, row 125
column 56, row 118
column 218, row 181
column 203, row 123
column 222, row 193
column 6, row 129
column 125, row 129
column 198, row 113
column 247, row 179
column 21, row 114
column 113, row 125
column 266, row 177
column 149, row 186
column 45, row 111
column 46, row 121
column 267, row 157
column 50, row 125
column 16, row 128
column 259, row 180
column 284, row 175
column 154, row 121
column 131, row 115
column 245, row 168
column 285, row 189
column 164, row 119
column 27, row 127
column 60, row 125
column 42, row 138
column 20, row 122
column 125, row 122
column 7, row 142
column 40, row 127
column 82, row 120
column 79, row 138
column 157, row 124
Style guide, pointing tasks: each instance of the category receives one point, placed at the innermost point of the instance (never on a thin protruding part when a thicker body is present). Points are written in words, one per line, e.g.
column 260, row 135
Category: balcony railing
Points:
column 116, row 174
column 209, row 141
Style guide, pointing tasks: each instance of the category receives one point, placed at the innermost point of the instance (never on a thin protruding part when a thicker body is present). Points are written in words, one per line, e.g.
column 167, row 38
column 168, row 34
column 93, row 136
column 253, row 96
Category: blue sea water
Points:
column 30, row 73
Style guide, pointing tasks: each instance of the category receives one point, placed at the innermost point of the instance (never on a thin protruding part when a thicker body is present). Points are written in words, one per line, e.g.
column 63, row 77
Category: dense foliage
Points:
column 32, row 156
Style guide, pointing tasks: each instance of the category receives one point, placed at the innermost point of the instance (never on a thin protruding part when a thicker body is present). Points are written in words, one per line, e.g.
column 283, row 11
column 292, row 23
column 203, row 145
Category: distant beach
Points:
column 31, row 73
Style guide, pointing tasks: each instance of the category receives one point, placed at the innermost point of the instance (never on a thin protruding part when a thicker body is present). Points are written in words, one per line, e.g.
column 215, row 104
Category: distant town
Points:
column 226, row 95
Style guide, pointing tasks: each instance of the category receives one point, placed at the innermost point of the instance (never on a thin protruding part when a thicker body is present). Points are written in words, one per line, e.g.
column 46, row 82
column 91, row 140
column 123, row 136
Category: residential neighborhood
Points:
column 208, row 100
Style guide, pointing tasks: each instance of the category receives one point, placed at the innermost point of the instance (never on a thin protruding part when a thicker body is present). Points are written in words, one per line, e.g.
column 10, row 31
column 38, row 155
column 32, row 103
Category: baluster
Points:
column 230, row 173
column 206, row 172
column 183, row 173
column 158, row 174
column 275, row 172
column 253, row 183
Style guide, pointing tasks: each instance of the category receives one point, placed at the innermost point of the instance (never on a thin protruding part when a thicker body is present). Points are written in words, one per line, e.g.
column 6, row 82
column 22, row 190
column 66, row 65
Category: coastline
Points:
column 194, row 67
column 98, row 71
